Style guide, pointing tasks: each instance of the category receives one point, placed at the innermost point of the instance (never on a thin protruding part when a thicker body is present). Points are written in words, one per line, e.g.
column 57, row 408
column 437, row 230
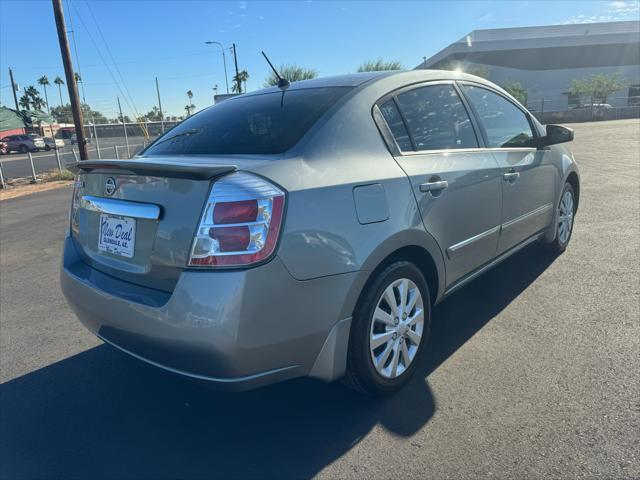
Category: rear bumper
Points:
column 236, row 329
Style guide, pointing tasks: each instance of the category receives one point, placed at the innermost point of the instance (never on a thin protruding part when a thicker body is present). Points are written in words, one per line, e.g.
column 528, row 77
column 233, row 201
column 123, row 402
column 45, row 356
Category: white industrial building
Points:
column 544, row 60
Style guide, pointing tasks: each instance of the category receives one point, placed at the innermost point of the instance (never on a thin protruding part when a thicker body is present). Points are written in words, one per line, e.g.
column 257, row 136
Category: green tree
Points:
column 293, row 73
column 380, row 65
column 58, row 81
column 517, row 91
column 63, row 114
column 240, row 78
column 191, row 106
column 597, row 88
column 33, row 98
column 25, row 102
column 152, row 115
column 44, row 81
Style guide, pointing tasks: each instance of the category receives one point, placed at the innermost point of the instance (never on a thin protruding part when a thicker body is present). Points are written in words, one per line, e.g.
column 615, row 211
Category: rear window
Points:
column 258, row 124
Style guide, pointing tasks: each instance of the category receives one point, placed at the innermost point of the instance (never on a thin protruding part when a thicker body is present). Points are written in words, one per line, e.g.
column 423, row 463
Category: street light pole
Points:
column 224, row 61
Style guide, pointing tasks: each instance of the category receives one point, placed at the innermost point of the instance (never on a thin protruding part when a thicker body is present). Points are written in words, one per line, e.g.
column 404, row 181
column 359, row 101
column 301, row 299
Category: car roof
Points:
column 348, row 80
column 364, row 79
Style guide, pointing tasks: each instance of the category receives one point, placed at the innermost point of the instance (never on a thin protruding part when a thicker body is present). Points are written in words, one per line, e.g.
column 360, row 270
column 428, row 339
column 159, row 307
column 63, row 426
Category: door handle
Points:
column 511, row 175
column 434, row 186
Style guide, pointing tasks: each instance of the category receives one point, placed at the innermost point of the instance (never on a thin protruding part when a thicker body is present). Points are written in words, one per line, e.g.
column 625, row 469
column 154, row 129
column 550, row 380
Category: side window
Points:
column 394, row 120
column 437, row 118
column 506, row 125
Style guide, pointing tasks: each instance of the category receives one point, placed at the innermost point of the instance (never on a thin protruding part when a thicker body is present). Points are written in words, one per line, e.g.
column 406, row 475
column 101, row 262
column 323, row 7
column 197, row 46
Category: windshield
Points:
column 269, row 123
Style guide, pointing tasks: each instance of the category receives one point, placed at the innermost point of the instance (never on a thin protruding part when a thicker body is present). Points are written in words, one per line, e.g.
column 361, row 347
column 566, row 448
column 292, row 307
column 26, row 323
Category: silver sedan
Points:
column 309, row 230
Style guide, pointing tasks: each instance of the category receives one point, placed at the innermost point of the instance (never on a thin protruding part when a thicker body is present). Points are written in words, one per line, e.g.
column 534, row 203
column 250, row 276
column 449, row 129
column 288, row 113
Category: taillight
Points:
column 75, row 201
column 240, row 224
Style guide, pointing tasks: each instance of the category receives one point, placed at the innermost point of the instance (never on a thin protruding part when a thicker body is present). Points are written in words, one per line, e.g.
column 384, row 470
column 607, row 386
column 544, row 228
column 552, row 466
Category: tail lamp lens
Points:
column 240, row 224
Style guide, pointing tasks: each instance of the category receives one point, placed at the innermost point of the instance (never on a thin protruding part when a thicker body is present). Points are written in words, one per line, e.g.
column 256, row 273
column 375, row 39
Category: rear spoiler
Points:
column 154, row 169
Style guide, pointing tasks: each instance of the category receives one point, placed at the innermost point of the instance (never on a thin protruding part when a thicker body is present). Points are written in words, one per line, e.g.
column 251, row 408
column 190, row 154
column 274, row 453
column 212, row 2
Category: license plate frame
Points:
column 117, row 235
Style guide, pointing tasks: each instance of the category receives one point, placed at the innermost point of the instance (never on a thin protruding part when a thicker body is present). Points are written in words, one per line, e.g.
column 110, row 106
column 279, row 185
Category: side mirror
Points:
column 557, row 134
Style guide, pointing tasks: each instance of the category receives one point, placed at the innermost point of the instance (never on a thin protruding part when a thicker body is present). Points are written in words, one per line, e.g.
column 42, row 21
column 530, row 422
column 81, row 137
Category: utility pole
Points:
column 124, row 125
column 71, row 81
column 235, row 60
column 160, row 106
column 13, row 89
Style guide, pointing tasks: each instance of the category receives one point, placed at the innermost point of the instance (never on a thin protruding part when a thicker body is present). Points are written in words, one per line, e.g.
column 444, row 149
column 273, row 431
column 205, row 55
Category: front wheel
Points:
column 390, row 327
column 564, row 224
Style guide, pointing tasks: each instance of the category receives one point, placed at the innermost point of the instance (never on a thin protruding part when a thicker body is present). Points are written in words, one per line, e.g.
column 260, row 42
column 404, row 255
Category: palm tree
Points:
column 188, row 108
column 191, row 105
column 44, row 81
column 25, row 102
column 34, row 97
column 293, row 73
column 58, row 81
column 379, row 65
column 238, row 79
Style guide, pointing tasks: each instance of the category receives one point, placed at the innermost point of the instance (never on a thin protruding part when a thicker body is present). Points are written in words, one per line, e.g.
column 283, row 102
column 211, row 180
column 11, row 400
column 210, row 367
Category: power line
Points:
column 133, row 110
column 113, row 60
column 127, row 62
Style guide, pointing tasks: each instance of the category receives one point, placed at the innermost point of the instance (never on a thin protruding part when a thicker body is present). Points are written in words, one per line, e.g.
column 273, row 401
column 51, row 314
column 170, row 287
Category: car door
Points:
column 455, row 181
column 11, row 142
column 528, row 186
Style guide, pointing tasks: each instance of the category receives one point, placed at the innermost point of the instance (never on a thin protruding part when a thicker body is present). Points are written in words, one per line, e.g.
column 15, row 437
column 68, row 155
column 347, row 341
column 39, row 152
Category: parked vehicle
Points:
column 309, row 231
column 23, row 143
column 48, row 142
column 74, row 139
column 53, row 143
column 4, row 148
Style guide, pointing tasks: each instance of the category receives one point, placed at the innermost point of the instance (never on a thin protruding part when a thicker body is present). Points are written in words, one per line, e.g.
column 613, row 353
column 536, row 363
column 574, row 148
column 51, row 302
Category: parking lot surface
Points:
column 532, row 371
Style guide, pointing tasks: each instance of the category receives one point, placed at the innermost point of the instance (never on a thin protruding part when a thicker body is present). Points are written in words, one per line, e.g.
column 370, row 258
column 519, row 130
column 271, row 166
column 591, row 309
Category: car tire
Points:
column 565, row 219
column 23, row 149
column 384, row 368
column 47, row 148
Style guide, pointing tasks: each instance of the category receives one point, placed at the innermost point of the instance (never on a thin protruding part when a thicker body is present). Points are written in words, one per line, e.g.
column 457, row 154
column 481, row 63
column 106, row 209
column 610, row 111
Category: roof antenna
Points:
column 283, row 83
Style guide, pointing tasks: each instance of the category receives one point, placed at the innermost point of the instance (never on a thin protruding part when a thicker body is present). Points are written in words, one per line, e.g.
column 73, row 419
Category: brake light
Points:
column 240, row 224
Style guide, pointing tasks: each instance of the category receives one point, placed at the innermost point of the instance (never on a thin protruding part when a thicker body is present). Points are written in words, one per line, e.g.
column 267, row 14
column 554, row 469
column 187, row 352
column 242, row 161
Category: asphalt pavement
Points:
column 532, row 371
column 16, row 165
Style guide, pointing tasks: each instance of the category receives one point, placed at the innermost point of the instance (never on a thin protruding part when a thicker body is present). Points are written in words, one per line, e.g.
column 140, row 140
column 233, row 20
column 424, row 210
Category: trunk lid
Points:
column 135, row 220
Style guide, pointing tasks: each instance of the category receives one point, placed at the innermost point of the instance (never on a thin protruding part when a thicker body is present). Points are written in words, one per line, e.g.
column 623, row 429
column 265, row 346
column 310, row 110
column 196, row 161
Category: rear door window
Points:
column 436, row 118
column 394, row 120
column 506, row 126
column 268, row 123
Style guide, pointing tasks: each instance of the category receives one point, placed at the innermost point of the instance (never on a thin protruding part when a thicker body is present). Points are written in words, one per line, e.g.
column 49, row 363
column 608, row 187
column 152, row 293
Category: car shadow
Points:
column 102, row 414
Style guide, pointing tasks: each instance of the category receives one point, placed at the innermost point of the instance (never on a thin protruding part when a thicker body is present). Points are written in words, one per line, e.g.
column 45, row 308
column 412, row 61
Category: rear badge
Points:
column 110, row 186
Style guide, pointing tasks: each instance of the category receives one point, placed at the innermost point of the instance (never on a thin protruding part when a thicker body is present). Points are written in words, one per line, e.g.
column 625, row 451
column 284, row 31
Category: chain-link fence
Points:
column 108, row 141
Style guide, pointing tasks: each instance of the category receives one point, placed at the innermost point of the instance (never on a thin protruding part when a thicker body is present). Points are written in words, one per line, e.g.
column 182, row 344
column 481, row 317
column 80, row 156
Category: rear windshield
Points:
column 257, row 124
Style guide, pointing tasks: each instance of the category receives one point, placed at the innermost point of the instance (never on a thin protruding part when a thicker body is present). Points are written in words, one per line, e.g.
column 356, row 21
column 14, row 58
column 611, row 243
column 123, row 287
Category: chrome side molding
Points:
column 122, row 208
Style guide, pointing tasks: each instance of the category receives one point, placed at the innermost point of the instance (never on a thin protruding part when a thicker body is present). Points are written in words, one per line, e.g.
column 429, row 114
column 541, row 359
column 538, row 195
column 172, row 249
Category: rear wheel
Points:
column 47, row 148
column 389, row 329
column 23, row 149
column 564, row 225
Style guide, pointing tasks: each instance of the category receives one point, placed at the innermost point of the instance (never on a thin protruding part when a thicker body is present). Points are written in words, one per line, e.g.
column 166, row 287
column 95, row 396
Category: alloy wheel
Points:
column 565, row 217
column 396, row 328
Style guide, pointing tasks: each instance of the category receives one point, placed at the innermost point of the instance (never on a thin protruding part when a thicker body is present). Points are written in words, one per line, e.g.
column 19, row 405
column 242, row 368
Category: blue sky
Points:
column 166, row 39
